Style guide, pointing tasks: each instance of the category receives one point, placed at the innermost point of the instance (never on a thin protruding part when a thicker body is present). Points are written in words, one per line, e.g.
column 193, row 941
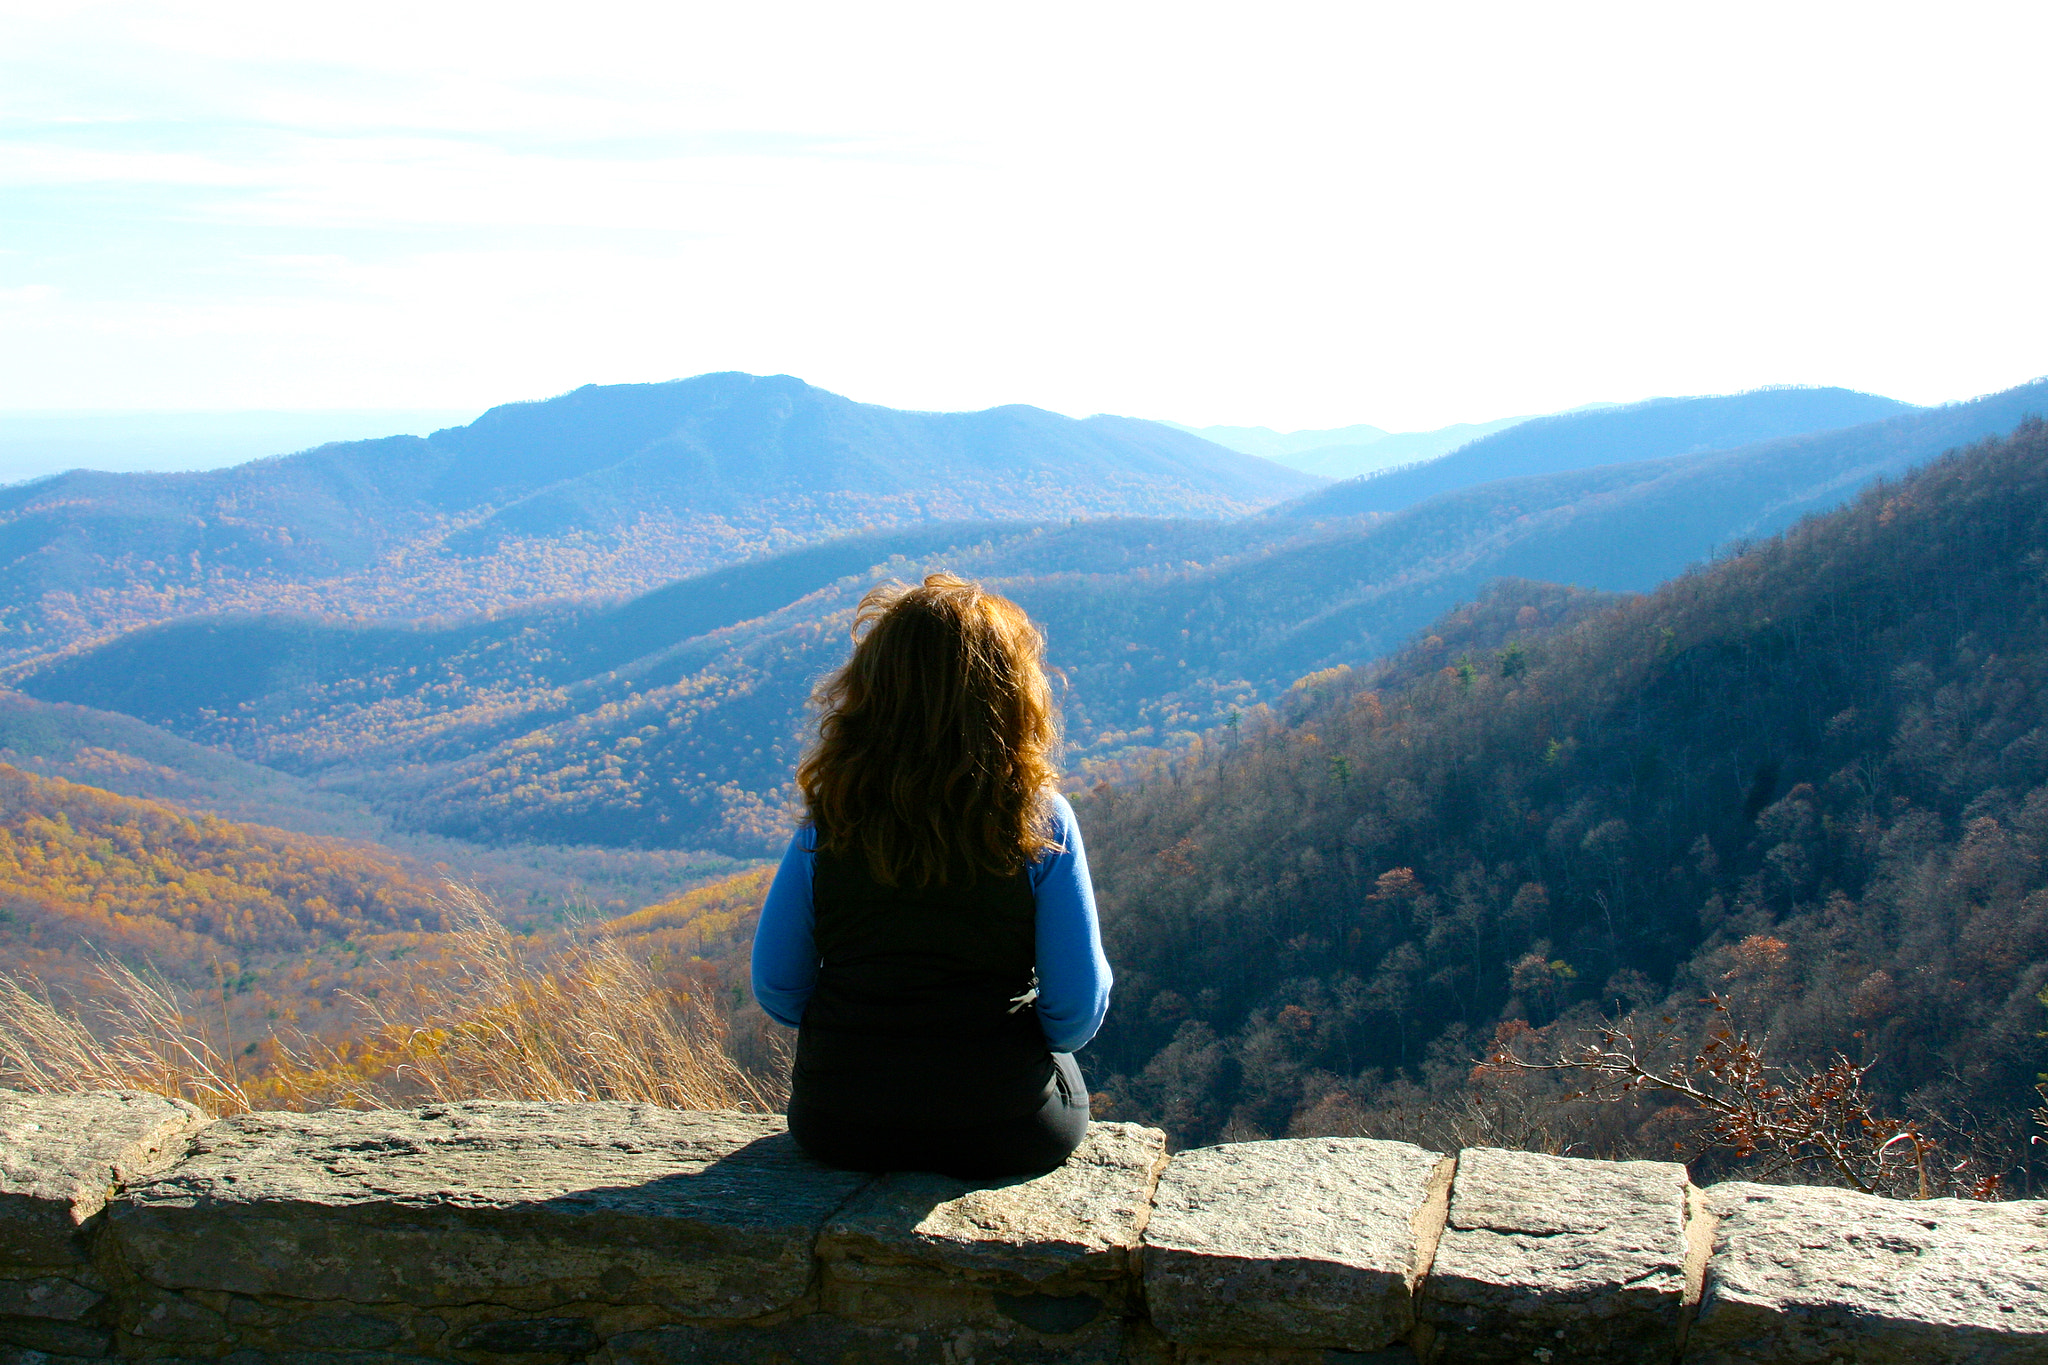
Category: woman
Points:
column 931, row 931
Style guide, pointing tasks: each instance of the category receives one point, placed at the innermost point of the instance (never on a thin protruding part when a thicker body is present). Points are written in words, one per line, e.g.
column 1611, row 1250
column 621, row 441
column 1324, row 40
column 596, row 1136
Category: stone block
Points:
column 38, row 1341
column 56, row 1297
column 60, row 1155
column 1547, row 1257
column 1081, row 1222
column 1038, row 1268
column 523, row 1205
column 1302, row 1244
column 1800, row 1274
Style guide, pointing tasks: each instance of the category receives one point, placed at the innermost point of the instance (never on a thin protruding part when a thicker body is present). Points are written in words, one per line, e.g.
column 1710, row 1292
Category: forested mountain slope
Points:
column 1611, row 435
column 84, row 872
column 127, row 757
column 606, row 489
column 1812, row 777
column 537, row 884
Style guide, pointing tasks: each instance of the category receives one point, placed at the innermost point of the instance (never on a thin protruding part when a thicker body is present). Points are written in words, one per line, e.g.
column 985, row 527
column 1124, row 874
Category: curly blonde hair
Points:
column 936, row 740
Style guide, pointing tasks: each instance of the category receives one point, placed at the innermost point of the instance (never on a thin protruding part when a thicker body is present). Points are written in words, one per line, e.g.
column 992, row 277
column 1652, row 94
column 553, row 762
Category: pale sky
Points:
column 1292, row 215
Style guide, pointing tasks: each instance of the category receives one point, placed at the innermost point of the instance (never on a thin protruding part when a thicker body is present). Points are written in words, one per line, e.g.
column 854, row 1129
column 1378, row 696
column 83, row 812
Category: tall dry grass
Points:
column 145, row 1039
column 491, row 1017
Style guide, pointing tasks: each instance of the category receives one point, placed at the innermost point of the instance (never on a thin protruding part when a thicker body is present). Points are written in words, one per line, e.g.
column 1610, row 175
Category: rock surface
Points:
column 61, row 1154
column 1296, row 1244
column 547, row 1234
column 1080, row 1222
column 1541, row 1249
column 712, row 1215
column 1804, row 1274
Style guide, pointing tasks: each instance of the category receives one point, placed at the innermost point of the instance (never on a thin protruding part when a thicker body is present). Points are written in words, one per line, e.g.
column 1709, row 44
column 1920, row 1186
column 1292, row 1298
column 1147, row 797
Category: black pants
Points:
column 1030, row 1145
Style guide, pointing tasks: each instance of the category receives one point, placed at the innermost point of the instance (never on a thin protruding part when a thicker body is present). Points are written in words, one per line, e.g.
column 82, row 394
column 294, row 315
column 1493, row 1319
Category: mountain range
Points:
column 673, row 718
column 603, row 490
column 1609, row 435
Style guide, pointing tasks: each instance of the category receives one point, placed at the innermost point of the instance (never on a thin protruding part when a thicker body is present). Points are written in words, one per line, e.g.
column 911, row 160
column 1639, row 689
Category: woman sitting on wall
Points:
column 931, row 931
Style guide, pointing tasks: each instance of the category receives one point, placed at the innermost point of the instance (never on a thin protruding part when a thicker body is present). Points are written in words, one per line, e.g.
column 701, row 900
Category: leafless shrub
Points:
column 1786, row 1120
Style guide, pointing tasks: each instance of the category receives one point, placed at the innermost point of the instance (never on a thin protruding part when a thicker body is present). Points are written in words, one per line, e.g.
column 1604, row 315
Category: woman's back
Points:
column 931, row 932
column 922, row 1001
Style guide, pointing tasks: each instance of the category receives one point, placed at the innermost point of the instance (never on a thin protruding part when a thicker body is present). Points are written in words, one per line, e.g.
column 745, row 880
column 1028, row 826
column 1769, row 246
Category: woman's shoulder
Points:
column 1060, row 821
column 1059, row 808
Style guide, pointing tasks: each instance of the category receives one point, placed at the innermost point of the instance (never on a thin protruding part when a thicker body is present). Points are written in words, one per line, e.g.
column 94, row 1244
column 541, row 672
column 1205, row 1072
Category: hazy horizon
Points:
column 34, row 444
column 38, row 443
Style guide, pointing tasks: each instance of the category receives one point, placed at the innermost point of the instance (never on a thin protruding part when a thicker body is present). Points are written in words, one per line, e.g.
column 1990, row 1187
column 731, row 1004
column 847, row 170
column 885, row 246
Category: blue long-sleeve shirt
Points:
column 1073, row 974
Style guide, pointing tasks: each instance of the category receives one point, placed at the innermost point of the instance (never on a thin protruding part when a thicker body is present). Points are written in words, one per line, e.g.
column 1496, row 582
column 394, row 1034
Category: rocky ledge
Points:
column 544, row 1233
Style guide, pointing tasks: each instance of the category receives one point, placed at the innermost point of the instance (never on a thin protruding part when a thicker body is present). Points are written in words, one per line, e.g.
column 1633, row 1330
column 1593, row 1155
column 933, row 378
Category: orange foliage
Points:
column 118, row 868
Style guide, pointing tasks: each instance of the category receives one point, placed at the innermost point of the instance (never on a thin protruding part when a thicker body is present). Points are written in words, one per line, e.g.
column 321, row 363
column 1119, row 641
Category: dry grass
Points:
column 144, row 1041
column 493, row 1019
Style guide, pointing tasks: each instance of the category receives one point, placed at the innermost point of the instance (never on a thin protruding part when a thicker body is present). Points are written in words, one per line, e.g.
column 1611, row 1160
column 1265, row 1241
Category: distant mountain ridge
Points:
column 1347, row 452
column 1586, row 439
column 1279, row 446
column 674, row 718
column 605, row 489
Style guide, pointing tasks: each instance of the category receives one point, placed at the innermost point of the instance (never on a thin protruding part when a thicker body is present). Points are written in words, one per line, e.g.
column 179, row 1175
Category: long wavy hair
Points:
column 936, row 740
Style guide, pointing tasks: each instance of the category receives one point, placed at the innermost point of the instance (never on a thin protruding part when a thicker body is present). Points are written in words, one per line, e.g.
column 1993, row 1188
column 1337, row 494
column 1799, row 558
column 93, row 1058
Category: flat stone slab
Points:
column 1295, row 1244
column 708, row 1215
column 1082, row 1220
column 61, row 1154
column 1805, row 1274
column 1585, row 1259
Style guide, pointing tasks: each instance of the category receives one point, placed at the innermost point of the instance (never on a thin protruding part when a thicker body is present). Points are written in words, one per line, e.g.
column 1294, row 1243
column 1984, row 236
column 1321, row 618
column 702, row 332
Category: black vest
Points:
column 918, row 1015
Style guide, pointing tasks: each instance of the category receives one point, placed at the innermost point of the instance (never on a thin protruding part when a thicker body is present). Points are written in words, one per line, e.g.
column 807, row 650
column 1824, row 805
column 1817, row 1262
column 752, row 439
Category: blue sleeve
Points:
column 1073, row 974
column 785, row 951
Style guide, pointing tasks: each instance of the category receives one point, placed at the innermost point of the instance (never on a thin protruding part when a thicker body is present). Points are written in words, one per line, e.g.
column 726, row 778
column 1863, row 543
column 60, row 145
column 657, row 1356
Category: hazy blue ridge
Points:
column 1283, row 446
column 723, row 438
column 1396, row 451
column 713, row 442
column 1614, row 435
column 1346, row 452
column 1625, row 527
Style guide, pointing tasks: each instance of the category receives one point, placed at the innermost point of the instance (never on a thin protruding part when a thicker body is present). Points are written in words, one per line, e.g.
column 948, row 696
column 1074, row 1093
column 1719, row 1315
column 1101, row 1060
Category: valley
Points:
column 1598, row 712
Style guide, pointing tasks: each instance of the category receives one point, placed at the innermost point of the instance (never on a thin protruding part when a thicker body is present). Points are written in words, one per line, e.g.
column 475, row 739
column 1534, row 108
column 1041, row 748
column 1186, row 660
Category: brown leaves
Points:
column 1180, row 858
column 1785, row 1118
column 1757, row 955
column 1399, row 883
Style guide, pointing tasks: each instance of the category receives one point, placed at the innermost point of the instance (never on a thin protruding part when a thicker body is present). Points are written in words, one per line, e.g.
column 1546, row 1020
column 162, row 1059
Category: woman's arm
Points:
column 1073, row 974
column 785, row 951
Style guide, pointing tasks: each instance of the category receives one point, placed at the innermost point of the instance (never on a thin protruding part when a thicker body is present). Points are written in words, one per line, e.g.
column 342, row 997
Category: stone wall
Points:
column 621, row 1233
